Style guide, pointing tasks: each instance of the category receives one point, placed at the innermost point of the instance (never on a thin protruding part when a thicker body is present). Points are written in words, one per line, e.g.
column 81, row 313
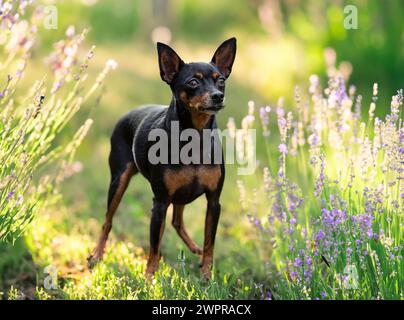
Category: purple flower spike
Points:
column 283, row 148
column 298, row 262
column 320, row 235
column 280, row 112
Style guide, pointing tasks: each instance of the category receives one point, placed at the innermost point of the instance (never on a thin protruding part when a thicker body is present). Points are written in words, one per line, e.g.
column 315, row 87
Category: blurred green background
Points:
column 280, row 44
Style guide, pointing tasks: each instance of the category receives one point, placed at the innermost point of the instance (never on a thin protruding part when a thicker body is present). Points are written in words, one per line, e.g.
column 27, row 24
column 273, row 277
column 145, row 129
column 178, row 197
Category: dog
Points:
column 198, row 90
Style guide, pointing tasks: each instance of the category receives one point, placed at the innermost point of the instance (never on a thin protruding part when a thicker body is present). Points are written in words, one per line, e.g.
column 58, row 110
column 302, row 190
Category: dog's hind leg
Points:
column 122, row 169
column 178, row 224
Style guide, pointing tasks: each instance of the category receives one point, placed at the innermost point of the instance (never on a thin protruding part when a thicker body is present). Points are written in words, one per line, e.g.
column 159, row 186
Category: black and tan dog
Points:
column 197, row 95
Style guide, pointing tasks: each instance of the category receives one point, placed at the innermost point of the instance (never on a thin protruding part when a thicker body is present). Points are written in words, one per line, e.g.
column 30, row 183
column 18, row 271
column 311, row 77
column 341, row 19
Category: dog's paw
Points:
column 206, row 273
column 151, row 269
column 92, row 260
column 196, row 250
column 149, row 276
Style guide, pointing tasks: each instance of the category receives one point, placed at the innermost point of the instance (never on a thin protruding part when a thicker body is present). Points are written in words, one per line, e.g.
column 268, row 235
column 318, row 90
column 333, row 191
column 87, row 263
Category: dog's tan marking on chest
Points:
column 199, row 120
column 175, row 179
column 207, row 176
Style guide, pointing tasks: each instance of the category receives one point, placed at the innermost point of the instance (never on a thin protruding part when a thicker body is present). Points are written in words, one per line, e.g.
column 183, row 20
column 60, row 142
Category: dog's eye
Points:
column 220, row 82
column 193, row 83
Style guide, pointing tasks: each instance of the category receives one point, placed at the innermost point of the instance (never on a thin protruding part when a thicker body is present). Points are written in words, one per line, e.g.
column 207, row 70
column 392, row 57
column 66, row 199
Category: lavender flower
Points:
column 359, row 191
column 298, row 262
column 265, row 120
column 320, row 235
column 283, row 148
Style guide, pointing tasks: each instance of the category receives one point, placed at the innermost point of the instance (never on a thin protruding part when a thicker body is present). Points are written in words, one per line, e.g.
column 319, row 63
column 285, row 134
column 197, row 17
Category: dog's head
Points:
column 199, row 85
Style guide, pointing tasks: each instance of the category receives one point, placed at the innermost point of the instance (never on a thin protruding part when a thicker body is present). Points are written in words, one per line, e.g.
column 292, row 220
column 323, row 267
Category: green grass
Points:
column 51, row 241
column 248, row 262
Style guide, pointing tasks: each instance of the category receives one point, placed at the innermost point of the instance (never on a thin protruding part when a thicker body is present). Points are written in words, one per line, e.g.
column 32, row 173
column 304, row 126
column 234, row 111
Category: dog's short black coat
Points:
column 197, row 95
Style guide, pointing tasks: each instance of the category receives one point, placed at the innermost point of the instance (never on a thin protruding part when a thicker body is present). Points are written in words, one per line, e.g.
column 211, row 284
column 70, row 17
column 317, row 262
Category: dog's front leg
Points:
column 211, row 221
column 156, row 233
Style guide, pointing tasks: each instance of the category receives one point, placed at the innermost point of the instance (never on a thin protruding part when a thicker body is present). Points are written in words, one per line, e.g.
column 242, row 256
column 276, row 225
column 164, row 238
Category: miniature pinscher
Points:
column 197, row 95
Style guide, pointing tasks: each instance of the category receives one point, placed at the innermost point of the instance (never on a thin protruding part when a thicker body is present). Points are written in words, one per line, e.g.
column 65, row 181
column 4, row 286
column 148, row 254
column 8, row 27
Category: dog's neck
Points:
column 187, row 118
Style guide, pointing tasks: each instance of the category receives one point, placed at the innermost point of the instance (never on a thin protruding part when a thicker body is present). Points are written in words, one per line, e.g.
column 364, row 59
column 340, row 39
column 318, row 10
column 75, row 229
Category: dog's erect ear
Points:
column 224, row 56
column 169, row 62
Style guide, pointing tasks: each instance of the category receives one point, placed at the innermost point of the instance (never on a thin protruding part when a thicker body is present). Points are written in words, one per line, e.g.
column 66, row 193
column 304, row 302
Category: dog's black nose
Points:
column 217, row 97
